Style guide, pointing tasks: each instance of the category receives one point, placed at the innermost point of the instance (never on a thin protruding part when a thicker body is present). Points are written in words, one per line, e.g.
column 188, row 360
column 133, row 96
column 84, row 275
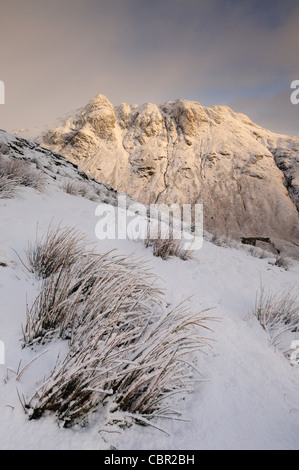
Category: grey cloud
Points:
column 59, row 54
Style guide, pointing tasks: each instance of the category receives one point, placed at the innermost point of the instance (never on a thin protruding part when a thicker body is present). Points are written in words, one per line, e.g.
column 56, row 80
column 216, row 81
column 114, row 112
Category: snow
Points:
column 248, row 394
column 246, row 176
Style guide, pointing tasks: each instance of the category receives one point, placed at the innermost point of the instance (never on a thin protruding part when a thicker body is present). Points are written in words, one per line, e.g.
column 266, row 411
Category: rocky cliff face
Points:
column 181, row 152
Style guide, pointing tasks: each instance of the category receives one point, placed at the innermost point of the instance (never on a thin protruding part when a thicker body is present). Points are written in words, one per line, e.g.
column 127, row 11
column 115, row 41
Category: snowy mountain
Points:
column 246, row 395
column 181, row 152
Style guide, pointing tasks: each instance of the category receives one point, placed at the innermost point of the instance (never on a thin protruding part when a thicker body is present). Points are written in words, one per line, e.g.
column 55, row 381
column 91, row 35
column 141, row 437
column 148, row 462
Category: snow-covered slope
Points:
column 181, row 152
column 53, row 165
column 247, row 397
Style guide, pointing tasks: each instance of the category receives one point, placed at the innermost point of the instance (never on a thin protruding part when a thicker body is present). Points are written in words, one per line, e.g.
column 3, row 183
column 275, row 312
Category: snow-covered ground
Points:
column 248, row 397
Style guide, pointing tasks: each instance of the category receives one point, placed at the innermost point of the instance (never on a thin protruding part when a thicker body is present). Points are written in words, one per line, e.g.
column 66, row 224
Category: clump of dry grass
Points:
column 8, row 187
column 80, row 291
column 277, row 312
column 78, row 282
column 138, row 367
column 78, row 188
column 227, row 242
column 124, row 347
column 55, row 249
column 166, row 245
column 163, row 369
column 21, row 173
column 284, row 262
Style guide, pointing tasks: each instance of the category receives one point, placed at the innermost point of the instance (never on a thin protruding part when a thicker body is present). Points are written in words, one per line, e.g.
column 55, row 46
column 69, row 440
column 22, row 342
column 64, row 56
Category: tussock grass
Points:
column 56, row 248
column 81, row 189
column 220, row 241
column 277, row 312
column 167, row 245
column 8, row 187
column 227, row 242
column 137, row 368
column 126, row 348
column 82, row 290
column 284, row 262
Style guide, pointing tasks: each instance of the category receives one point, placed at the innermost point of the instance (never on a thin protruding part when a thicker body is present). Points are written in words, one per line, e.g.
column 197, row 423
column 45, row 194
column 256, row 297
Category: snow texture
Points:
column 247, row 396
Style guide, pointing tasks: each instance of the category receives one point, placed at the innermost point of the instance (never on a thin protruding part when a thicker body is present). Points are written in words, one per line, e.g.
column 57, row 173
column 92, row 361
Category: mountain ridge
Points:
column 182, row 152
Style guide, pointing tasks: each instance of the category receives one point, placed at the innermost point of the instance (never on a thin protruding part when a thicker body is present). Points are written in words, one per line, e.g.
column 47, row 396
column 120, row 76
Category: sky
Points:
column 57, row 55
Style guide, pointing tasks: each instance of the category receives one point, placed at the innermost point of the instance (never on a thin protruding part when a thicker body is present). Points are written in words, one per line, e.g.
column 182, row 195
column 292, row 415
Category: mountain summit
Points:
column 181, row 152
